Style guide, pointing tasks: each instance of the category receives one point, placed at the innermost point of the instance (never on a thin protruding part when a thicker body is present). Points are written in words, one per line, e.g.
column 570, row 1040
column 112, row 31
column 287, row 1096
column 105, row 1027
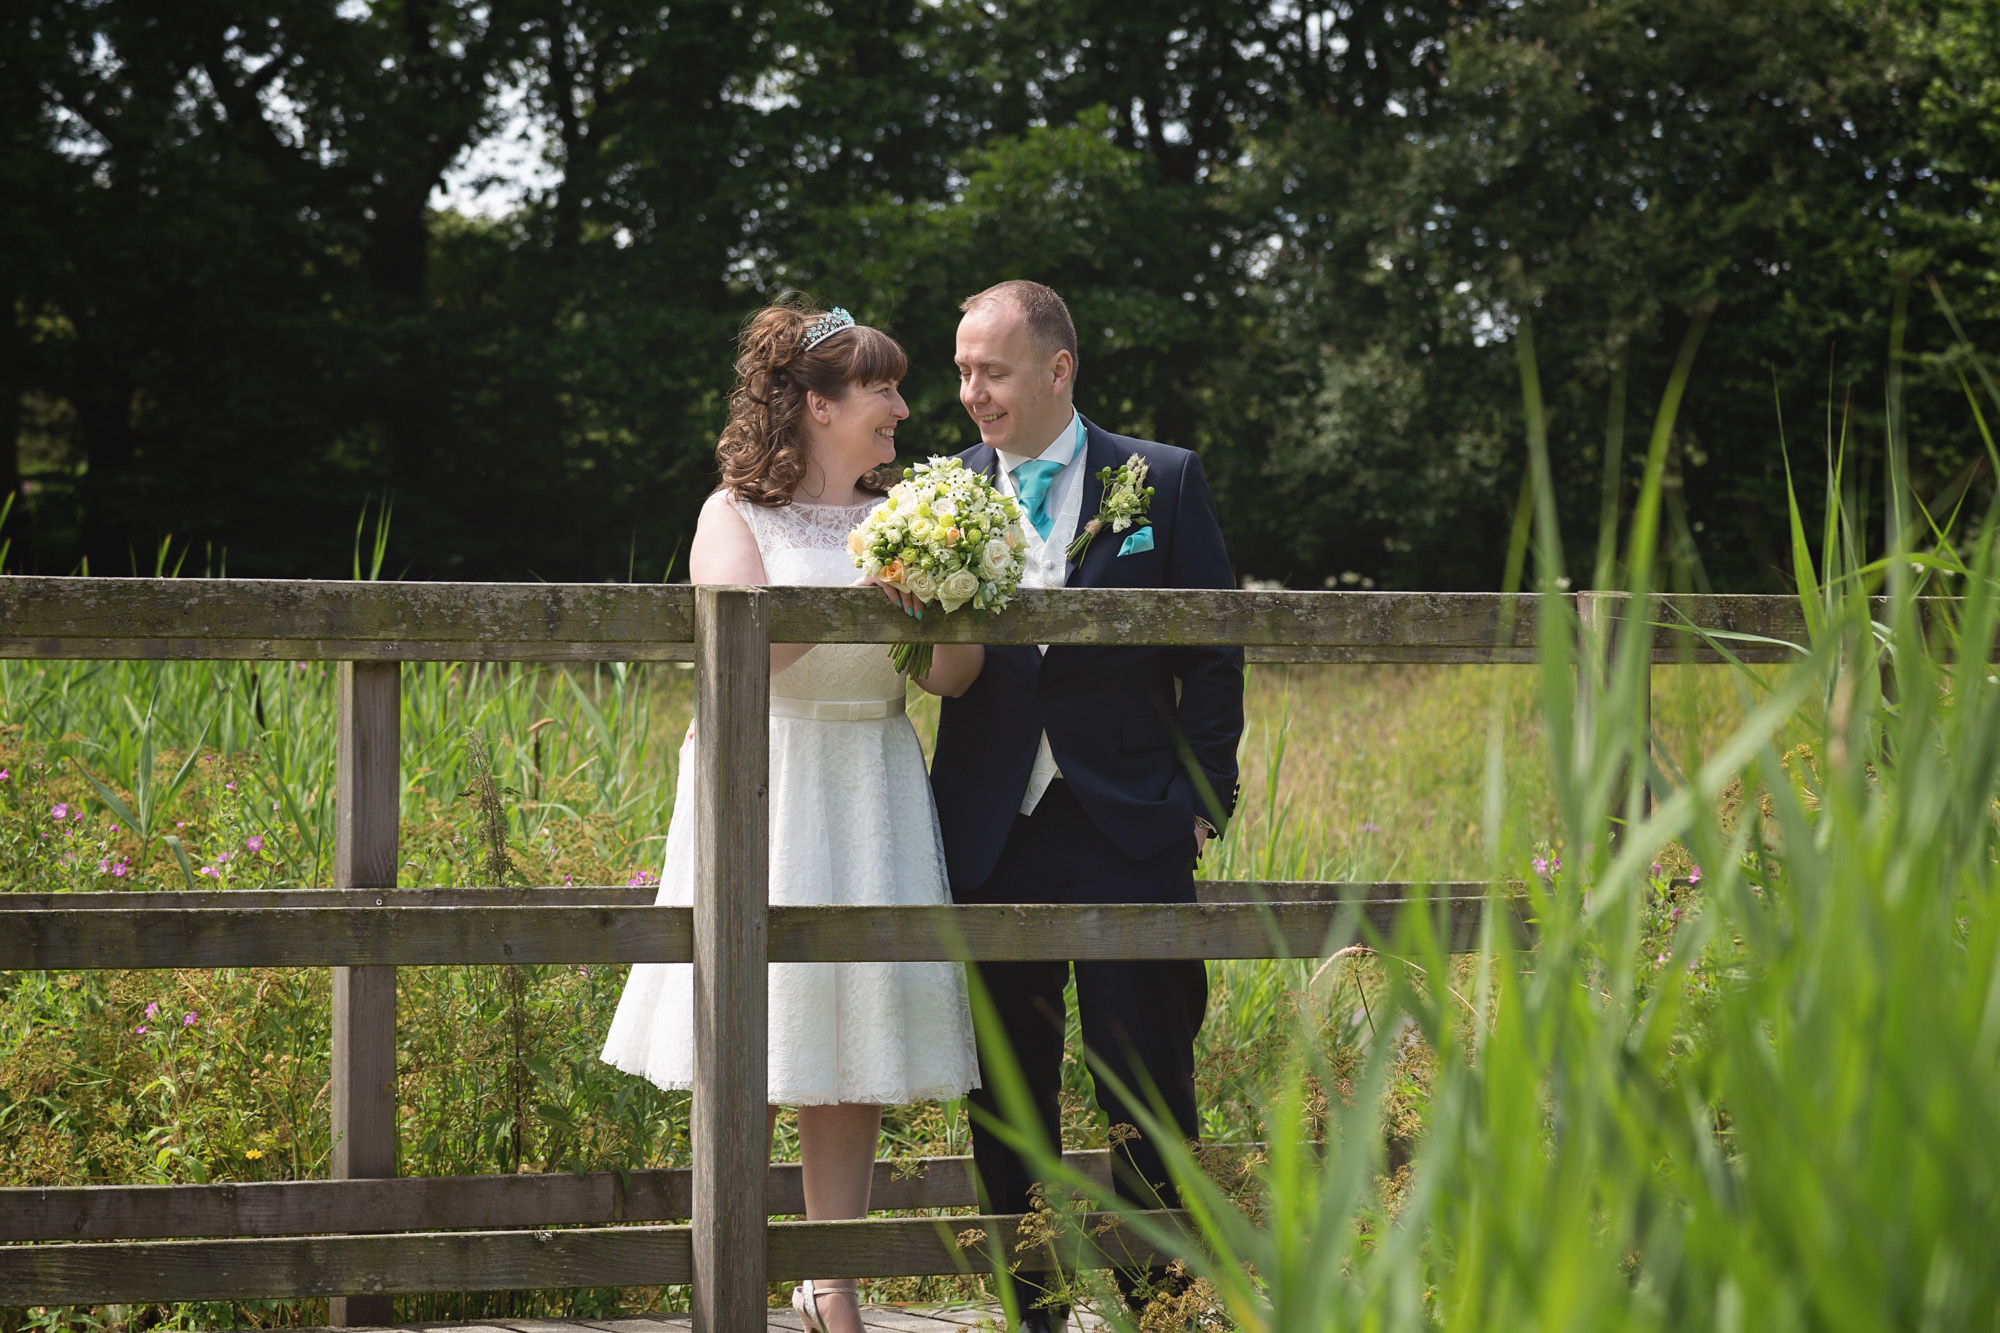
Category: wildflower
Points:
column 119, row 868
column 1676, row 914
column 139, row 1031
column 255, row 842
column 3, row 775
column 1371, row 828
column 187, row 1020
column 180, row 823
column 61, row 811
column 229, row 786
column 1656, row 869
column 253, row 1154
column 1661, row 959
column 114, row 828
column 206, row 870
column 104, row 866
column 152, row 1009
column 1694, row 876
column 1541, row 865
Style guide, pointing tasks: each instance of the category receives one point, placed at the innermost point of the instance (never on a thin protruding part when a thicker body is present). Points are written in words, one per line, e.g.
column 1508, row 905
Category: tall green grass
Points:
column 1775, row 1105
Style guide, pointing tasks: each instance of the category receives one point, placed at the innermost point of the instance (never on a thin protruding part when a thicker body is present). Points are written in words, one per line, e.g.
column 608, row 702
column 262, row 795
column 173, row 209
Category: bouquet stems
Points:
column 912, row 659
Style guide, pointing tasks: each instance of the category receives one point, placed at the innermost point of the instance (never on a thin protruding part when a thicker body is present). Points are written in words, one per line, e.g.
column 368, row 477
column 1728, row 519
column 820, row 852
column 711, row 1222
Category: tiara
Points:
column 832, row 322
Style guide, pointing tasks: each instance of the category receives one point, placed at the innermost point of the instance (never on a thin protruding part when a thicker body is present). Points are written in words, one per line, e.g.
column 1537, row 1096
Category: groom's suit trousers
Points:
column 1139, row 1019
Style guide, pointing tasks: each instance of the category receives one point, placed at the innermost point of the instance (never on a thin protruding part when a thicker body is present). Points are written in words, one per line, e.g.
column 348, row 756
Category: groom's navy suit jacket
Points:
column 1110, row 712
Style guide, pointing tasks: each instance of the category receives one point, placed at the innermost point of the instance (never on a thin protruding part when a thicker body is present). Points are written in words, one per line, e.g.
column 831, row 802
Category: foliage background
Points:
column 1297, row 237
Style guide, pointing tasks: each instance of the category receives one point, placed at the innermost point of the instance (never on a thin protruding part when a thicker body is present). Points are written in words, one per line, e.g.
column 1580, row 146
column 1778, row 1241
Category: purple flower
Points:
column 104, row 866
column 140, row 1030
column 1676, row 914
column 1371, row 828
column 60, row 811
column 188, row 1020
column 1541, row 865
column 1694, row 876
column 1661, row 959
column 152, row 1009
column 229, row 786
column 641, row 880
column 1656, row 868
column 255, row 842
column 114, row 828
column 118, row 870
column 3, row 775
column 206, row 870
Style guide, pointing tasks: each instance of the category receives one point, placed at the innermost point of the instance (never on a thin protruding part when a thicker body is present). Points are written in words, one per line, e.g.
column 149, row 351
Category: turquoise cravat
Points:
column 1032, row 479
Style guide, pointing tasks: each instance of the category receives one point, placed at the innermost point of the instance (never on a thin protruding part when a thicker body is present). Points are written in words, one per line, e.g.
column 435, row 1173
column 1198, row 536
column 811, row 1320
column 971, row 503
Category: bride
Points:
column 814, row 414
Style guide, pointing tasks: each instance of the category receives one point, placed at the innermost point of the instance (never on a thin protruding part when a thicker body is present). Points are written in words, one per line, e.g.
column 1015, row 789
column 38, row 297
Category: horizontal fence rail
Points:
column 414, row 1263
column 286, row 620
column 56, row 940
column 439, row 1203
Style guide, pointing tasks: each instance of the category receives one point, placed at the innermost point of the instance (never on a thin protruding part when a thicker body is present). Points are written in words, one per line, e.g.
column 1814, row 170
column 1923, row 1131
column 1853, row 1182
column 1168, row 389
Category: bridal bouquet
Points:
column 945, row 535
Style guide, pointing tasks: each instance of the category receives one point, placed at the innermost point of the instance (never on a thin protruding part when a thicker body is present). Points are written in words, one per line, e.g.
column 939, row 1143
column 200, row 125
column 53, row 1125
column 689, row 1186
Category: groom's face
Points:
column 1016, row 393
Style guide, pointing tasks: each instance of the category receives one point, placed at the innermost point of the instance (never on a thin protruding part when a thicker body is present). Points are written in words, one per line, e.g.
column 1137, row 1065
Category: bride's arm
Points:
column 725, row 552
column 954, row 666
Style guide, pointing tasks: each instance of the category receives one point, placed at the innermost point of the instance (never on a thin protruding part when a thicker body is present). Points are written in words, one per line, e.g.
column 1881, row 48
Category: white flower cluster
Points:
column 946, row 536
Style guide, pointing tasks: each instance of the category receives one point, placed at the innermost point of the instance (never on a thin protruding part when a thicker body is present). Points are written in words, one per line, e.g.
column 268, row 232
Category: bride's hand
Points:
column 907, row 604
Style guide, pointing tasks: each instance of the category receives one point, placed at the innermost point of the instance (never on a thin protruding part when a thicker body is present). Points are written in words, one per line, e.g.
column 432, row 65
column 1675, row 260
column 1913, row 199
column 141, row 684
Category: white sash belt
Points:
column 835, row 710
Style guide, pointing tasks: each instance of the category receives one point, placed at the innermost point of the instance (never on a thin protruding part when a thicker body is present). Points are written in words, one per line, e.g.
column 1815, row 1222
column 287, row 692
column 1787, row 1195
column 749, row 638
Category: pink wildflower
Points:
column 3, row 775
column 60, row 811
column 140, row 1030
column 1694, row 876
column 1541, row 865
column 229, row 786
column 255, row 842
column 206, row 870
column 104, row 866
column 118, row 870
column 188, row 1021
column 152, row 1009
column 1656, row 868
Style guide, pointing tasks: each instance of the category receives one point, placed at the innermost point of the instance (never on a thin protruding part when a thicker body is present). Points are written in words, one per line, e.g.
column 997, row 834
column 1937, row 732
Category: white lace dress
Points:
column 851, row 822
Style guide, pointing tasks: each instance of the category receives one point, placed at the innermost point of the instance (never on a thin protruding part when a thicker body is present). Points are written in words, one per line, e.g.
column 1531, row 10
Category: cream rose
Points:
column 959, row 589
column 920, row 583
column 994, row 557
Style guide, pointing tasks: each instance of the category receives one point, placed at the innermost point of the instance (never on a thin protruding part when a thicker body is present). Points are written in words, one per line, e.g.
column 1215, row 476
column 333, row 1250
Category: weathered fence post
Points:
column 367, row 786
column 732, row 721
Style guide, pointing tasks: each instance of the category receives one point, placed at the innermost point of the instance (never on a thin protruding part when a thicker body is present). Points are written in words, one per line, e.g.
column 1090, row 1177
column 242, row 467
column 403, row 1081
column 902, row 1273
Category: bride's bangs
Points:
column 873, row 357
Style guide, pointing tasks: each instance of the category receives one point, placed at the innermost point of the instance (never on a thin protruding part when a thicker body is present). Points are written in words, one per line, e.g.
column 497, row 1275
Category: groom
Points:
column 1059, row 773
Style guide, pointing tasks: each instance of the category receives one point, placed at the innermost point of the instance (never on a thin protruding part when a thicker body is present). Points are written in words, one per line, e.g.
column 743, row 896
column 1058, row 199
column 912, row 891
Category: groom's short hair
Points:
column 1048, row 318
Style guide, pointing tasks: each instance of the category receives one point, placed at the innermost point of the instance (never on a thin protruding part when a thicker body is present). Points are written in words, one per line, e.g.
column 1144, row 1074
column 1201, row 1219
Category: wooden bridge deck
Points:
column 878, row 1319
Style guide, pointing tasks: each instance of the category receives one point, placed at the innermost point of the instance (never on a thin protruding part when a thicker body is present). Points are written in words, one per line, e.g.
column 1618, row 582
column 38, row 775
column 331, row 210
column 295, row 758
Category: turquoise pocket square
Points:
column 1142, row 540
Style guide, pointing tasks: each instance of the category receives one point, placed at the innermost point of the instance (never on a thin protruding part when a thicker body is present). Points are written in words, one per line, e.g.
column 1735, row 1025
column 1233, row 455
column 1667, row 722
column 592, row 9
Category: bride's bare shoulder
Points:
column 724, row 549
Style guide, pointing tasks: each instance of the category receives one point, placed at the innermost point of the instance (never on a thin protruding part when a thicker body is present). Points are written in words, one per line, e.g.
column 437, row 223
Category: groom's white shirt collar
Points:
column 1062, row 450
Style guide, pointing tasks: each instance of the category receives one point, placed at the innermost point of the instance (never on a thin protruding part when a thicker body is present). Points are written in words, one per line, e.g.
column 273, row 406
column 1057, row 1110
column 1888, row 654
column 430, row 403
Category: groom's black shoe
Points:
column 1045, row 1320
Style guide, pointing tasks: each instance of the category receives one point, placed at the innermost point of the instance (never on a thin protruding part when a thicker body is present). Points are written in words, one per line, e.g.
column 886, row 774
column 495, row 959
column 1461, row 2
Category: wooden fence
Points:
column 364, row 1234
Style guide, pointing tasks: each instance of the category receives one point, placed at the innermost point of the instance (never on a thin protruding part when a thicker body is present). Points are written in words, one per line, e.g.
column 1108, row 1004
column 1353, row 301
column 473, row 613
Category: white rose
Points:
column 994, row 557
column 945, row 507
column 920, row 584
column 920, row 528
column 957, row 590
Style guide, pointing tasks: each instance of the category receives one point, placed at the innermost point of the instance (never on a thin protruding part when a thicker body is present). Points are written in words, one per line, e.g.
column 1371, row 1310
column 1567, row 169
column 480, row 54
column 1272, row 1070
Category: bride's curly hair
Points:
column 763, row 451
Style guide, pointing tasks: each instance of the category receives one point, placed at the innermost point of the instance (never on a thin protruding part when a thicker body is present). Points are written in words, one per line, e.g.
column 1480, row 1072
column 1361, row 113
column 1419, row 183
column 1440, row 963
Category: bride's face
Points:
column 857, row 432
